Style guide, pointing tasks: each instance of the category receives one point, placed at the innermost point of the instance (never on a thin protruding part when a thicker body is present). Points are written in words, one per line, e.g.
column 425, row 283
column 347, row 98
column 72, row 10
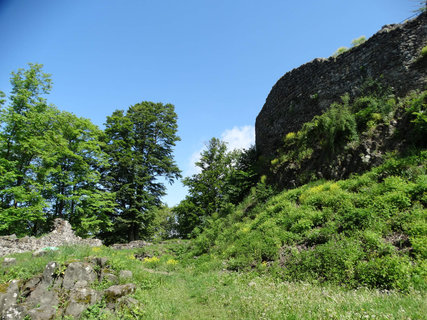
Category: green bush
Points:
column 339, row 51
column 333, row 261
column 371, row 110
column 333, row 129
column 387, row 272
column 358, row 41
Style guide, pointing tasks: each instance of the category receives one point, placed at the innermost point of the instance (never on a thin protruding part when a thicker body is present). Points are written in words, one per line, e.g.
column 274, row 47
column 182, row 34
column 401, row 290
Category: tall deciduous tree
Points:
column 49, row 162
column 22, row 144
column 73, row 177
column 139, row 144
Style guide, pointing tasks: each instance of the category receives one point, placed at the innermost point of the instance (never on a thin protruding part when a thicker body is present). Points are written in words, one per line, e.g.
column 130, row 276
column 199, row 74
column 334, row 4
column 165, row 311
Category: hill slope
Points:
column 368, row 230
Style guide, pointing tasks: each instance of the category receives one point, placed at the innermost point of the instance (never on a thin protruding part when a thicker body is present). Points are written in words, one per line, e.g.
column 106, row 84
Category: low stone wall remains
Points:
column 60, row 236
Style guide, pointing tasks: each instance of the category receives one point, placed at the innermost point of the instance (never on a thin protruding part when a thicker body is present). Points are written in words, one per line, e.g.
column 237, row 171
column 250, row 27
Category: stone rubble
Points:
column 65, row 291
column 61, row 235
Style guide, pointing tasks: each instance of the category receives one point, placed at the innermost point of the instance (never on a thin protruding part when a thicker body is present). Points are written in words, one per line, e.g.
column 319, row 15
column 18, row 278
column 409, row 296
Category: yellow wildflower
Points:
column 151, row 260
column 172, row 262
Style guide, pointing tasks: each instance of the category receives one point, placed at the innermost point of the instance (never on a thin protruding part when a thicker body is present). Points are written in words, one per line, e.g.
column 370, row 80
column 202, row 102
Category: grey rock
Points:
column 77, row 271
column 9, row 298
column 44, row 312
column 115, row 292
column 30, row 286
column 42, row 297
column 49, row 273
column 289, row 105
column 10, row 237
column 81, row 284
column 100, row 261
column 75, row 309
column 131, row 245
column 40, row 290
column 39, row 253
column 62, row 234
column 14, row 312
column 109, row 277
column 80, row 299
column 125, row 303
column 84, row 295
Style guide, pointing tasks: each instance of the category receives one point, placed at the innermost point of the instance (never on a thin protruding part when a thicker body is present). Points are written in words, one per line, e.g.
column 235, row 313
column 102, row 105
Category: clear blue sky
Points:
column 216, row 61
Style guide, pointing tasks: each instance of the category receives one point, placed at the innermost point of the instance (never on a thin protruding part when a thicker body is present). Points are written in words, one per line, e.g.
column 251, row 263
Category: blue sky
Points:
column 216, row 61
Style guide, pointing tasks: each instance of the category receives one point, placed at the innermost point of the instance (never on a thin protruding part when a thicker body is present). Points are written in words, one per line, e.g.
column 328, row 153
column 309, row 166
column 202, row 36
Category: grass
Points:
column 224, row 295
column 176, row 285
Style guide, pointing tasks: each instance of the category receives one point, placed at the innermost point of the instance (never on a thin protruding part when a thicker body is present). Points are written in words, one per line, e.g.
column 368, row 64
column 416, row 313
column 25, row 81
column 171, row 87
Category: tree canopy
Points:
column 56, row 164
column 139, row 145
column 224, row 179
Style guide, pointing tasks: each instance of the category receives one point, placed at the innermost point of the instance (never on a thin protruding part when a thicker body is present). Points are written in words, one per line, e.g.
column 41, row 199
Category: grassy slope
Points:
column 178, row 286
column 368, row 230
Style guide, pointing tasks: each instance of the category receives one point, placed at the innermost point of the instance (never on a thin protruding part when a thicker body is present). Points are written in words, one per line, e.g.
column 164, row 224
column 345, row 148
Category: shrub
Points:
column 333, row 261
column 252, row 248
column 387, row 272
column 419, row 245
column 358, row 41
column 335, row 128
column 370, row 110
column 339, row 51
column 417, row 113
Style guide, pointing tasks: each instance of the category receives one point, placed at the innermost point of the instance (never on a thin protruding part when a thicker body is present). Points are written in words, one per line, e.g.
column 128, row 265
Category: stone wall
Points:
column 392, row 55
column 62, row 234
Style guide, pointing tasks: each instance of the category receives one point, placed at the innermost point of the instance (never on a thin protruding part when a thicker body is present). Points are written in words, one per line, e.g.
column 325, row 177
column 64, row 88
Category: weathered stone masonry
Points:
column 391, row 54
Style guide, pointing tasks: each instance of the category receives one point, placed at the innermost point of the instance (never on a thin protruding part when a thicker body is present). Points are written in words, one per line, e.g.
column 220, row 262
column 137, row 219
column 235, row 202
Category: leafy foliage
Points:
column 327, row 145
column 323, row 137
column 55, row 164
column 416, row 112
column 50, row 162
column 139, row 146
column 358, row 41
column 354, row 43
column 223, row 181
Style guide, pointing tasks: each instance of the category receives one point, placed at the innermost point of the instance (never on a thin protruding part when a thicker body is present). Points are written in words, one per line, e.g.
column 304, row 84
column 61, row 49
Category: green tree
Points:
column 189, row 216
column 49, row 162
column 24, row 124
column 139, row 144
column 224, row 179
column 73, row 175
column 207, row 188
column 164, row 225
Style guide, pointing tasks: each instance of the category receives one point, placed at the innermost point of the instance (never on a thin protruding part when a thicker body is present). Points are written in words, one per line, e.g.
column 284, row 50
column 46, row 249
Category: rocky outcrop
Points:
column 62, row 234
column 65, row 291
column 390, row 56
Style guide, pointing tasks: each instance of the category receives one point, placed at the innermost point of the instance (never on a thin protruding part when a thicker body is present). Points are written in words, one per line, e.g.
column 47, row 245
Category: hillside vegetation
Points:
column 368, row 230
column 172, row 284
column 337, row 228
